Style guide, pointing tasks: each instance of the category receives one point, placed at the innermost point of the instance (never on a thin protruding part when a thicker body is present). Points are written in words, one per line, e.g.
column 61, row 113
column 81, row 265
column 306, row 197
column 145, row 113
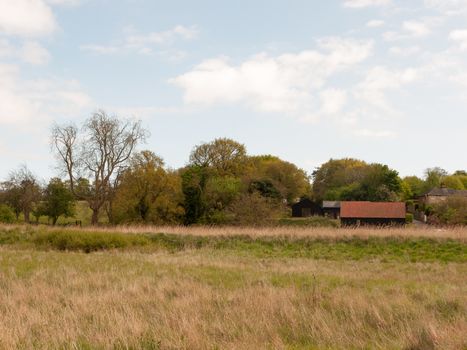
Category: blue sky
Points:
column 380, row 80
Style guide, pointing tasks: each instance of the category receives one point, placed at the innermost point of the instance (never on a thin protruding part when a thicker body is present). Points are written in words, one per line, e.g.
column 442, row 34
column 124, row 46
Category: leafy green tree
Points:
column 57, row 201
column 211, row 180
column 148, row 193
column 194, row 180
column 454, row 182
column 265, row 188
column 414, row 187
column 463, row 179
column 380, row 184
column 22, row 192
column 434, row 177
column 11, row 196
column 7, row 216
column 335, row 174
column 406, row 191
column 351, row 179
column 276, row 178
column 218, row 193
column 462, row 176
column 225, row 156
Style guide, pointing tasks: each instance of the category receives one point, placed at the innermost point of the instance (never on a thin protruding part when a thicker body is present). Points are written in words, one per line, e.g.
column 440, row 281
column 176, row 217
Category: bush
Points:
column 252, row 209
column 7, row 216
column 453, row 211
column 409, row 218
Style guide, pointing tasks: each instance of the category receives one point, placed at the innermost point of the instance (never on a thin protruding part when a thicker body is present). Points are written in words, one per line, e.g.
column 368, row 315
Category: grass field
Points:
column 232, row 288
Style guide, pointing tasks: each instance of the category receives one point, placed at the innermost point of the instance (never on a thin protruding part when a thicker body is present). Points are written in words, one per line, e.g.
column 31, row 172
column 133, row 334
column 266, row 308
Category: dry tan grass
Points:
column 432, row 232
column 459, row 233
column 192, row 300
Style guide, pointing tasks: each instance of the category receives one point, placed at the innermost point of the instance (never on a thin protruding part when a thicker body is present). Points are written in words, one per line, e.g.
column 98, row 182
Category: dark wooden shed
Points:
column 372, row 213
column 306, row 208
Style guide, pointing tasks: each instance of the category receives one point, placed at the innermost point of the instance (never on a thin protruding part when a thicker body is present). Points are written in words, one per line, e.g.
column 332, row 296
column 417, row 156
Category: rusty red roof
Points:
column 379, row 210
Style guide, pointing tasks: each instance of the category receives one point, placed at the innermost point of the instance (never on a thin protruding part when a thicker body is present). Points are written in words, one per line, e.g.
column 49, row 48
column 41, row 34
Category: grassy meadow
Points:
column 232, row 288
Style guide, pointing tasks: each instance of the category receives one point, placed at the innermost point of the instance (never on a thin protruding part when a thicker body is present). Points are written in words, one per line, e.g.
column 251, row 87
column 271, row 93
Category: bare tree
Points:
column 94, row 157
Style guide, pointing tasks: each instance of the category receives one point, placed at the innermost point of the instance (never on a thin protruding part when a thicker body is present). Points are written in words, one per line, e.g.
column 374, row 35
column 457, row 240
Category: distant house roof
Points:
column 378, row 210
column 446, row 192
column 331, row 204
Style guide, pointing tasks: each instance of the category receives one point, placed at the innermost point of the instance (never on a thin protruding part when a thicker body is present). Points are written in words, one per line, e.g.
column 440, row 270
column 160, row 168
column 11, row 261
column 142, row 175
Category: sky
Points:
column 307, row 80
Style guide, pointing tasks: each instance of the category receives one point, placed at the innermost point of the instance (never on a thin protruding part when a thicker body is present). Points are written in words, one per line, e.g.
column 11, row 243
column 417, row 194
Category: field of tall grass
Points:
column 232, row 288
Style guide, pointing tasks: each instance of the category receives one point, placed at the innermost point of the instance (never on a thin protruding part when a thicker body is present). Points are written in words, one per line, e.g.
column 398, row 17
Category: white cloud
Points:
column 29, row 18
column 64, row 2
column 404, row 51
column 28, row 102
column 365, row 3
column 370, row 111
column 287, row 84
column 380, row 78
column 172, row 55
column 332, row 101
column 100, row 49
column 148, row 112
column 34, row 53
column 375, row 23
column 416, row 28
column 371, row 92
column 144, row 43
column 6, row 49
column 30, row 52
column 157, row 38
column 459, row 36
column 412, row 29
column 448, row 7
column 374, row 133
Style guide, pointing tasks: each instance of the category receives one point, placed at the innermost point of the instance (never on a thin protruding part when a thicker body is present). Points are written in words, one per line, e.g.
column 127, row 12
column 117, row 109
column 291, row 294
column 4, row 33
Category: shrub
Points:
column 252, row 209
column 409, row 218
column 453, row 211
column 7, row 216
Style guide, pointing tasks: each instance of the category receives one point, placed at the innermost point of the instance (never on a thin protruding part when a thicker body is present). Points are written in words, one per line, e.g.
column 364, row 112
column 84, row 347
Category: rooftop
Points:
column 377, row 210
column 446, row 192
column 331, row 204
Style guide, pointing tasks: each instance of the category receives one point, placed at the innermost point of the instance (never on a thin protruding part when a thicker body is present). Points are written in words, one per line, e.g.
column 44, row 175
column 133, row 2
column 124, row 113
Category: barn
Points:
column 372, row 213
column 306, row 208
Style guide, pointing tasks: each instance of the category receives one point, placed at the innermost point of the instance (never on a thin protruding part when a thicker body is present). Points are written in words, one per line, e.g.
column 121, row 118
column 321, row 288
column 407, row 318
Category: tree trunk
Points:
column 27, row 220
column 109, row 211
column 54, row 220
column 95, row 217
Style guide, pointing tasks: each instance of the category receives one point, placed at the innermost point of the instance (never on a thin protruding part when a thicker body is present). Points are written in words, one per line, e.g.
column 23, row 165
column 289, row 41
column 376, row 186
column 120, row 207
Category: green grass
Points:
column 314, row 221
column 353, row 248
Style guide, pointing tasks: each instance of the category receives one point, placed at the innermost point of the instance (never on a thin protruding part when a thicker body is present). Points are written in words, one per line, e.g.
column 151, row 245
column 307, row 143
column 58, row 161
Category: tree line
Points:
column 99, row 164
